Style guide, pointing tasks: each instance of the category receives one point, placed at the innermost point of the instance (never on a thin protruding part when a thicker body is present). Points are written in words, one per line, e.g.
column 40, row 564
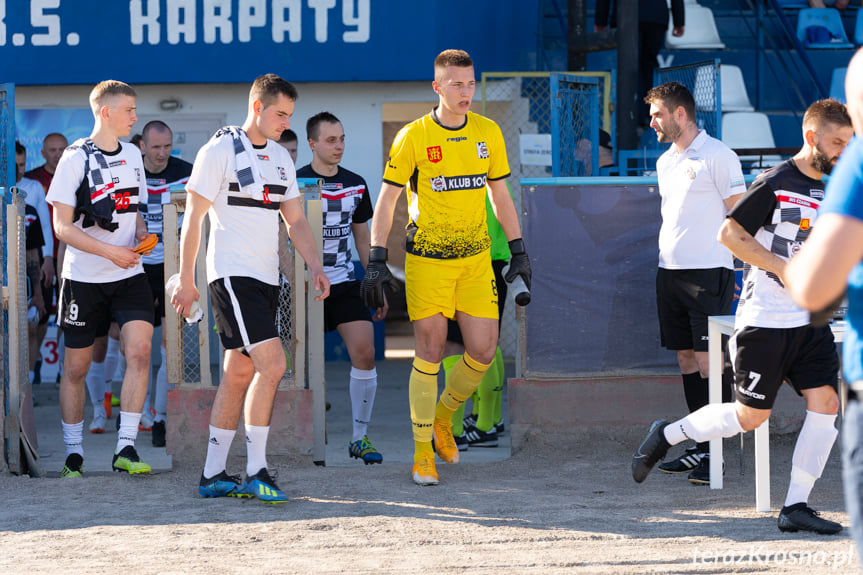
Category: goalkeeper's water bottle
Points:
column 518, row 288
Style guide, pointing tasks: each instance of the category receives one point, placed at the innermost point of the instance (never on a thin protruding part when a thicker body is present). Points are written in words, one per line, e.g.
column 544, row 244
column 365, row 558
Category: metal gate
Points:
column 14, row 365
column 703, row 80
column 574, row 125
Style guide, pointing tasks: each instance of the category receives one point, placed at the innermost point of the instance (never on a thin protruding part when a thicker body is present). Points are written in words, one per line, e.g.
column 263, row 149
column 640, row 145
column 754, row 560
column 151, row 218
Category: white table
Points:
column 717, row 327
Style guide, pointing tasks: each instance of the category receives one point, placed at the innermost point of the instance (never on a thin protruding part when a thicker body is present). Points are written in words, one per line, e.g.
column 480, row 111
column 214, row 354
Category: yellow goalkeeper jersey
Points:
column 444, row 171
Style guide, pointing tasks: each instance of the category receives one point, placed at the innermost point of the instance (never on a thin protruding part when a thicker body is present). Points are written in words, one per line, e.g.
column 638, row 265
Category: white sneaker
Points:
column 98, row 425
column 146, row 423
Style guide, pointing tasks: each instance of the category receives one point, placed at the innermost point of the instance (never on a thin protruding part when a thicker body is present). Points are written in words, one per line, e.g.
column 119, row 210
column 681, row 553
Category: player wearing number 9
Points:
column 95, row 192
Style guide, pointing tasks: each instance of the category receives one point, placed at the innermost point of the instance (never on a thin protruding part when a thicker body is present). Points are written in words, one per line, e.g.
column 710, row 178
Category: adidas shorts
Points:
column 684, row 300
column 244, row 310
column 765, row 357
column 87, row 309
column 445, row 286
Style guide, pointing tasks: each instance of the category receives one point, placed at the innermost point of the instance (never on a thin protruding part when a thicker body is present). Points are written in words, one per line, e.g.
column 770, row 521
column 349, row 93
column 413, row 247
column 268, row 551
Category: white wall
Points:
column 357, row 104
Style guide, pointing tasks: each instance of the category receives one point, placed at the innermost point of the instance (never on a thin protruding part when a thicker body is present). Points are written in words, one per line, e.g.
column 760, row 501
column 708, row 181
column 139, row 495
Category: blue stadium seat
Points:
column 837, row 84
column 828, row 18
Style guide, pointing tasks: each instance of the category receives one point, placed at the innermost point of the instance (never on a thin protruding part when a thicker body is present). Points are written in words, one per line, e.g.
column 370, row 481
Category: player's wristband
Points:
column 378, row 254
column 516, row 246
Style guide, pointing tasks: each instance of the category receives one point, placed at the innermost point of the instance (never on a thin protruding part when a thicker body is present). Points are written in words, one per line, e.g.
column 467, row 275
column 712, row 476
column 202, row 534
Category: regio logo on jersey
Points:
column 435, row 154
column 794, row 248
column 481, row 150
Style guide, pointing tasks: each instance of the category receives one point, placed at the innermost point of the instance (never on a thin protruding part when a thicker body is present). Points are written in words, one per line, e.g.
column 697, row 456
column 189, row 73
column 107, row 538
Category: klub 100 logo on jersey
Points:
column 456, row 183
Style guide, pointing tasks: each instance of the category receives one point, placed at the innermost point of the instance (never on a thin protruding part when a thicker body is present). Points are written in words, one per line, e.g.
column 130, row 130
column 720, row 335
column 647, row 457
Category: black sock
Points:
column 696, row 391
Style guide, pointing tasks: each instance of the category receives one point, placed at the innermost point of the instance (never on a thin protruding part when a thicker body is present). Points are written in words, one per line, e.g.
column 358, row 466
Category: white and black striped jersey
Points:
column 244, row 232
column 177, row 172
column 345, row 200
column 778, row 211
column 128, row 188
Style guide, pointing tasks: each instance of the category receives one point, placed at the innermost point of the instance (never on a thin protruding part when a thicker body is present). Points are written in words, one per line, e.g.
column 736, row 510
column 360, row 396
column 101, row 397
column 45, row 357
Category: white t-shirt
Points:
column 127, row 172
column 244, row 232
column 694, row 185
column 36, row 197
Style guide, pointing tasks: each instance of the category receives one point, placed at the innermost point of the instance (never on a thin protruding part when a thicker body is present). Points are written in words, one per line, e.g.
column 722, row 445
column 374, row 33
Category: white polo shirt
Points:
column 694, row 185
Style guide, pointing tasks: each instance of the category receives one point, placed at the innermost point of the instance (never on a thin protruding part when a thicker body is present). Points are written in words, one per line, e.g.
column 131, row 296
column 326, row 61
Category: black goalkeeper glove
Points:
column 519, row 263
column 377, row 275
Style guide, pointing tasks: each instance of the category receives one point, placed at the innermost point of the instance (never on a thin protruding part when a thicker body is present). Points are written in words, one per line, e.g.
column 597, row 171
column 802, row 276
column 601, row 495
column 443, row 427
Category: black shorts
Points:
column 86, row 310
column 156, row 276
column 344, row 305
column 244, row 310
column 684, row 300
column 764, row 357
column 453, row 332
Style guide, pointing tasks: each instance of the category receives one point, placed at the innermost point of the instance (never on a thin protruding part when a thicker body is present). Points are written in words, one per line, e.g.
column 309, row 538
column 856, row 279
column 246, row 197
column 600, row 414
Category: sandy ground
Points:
column 563, row 505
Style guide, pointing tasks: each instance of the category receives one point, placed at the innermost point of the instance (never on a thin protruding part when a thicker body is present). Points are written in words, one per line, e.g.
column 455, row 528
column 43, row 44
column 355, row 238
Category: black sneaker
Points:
column 469, row 420
column 701, row 474
column 499, row 427
column 479, row 438
column 461, row 441
column 158, row 434
column 73, row 466
column 651, row 450
column 686, row 462
column 801, row 517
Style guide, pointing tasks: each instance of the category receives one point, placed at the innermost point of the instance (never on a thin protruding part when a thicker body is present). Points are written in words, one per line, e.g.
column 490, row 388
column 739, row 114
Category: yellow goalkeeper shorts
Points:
column 448, row 285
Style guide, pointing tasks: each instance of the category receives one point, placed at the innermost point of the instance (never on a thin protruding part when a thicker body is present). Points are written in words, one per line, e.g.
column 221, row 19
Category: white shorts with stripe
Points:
column 244, row 310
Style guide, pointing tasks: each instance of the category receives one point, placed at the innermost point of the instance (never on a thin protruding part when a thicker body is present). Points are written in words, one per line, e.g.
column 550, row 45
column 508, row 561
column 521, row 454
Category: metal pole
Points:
column 576, row 58
column 627, row 75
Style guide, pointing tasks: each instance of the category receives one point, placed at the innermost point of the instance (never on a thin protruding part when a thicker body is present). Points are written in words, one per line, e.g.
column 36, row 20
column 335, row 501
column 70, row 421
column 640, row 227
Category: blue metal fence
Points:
column 7, row 180
column 702, row 79
column 574, row 125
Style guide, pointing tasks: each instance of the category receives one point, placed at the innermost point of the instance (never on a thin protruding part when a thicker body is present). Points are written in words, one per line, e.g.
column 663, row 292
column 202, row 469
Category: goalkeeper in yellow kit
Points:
column 444, row 161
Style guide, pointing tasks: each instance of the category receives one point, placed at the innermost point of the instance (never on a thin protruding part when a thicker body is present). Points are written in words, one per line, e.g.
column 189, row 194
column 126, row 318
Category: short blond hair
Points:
column 107, row 89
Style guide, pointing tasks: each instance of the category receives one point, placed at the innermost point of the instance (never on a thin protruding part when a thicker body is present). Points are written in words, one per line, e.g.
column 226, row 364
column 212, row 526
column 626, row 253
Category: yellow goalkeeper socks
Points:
column 422, row 393
column 464, row 378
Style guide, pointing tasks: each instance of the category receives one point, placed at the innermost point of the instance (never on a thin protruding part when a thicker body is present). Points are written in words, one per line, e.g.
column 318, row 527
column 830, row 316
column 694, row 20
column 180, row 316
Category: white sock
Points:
column 112, row 358
column 73, row 437
column 256, row 448
column 218, row 447
column 96, row 383
column 710, row 422
column 128, row 432
column 364, row 384
column 32, row 376
column 161, row 403
column 810, row 455
column 100, row 410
